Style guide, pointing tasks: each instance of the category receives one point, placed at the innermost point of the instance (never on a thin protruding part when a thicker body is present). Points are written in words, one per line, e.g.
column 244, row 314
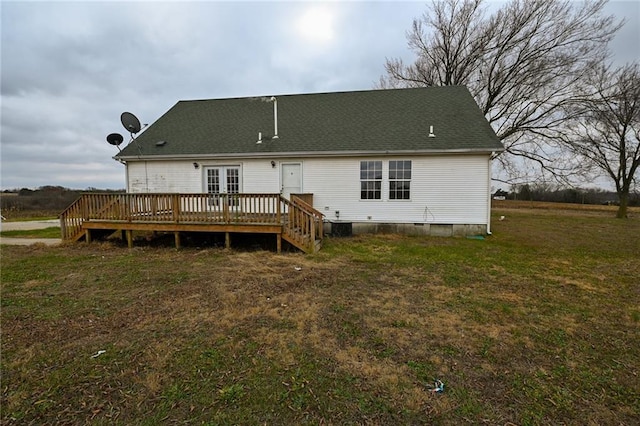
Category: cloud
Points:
column 69, row 69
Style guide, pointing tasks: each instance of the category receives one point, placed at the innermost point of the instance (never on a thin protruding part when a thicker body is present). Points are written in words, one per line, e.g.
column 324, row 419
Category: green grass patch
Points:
column 51, row 232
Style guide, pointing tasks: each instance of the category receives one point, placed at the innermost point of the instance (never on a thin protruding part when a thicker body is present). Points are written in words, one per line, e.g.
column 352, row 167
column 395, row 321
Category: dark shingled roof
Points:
column 342, row 123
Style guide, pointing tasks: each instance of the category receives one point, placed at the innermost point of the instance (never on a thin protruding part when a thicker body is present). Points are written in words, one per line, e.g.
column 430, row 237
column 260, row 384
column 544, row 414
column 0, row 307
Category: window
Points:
column 370, row 180
column 400, row 180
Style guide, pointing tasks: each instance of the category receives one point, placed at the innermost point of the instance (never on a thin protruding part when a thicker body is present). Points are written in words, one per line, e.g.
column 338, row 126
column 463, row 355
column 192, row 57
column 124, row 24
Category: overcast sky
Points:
column 69, row 69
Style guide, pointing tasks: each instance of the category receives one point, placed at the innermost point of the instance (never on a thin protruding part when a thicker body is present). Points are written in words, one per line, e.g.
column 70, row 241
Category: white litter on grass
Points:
column 97, row 354
column 438, row 387
column 297, row 268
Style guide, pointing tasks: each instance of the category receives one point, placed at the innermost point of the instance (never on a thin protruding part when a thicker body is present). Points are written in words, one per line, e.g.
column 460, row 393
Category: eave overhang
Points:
column 308, row 154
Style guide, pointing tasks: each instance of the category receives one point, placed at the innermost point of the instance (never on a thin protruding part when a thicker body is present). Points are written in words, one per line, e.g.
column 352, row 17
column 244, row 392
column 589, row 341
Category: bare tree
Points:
column 605, row 130
column 522, row 64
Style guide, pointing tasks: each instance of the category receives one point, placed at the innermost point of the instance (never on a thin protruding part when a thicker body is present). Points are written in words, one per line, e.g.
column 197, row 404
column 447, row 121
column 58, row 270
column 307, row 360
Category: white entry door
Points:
column 291, row 179
column 223, row 180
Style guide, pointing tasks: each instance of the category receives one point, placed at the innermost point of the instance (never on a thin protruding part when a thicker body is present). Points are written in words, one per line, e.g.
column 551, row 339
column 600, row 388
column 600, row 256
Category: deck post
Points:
column 85, row 208
column 176, row 208
column 279, row 243
column 227, row 240
column 63, row 227
column 176, row 235
column 225, row 207
column 312, row 235
column 129, row 238
column 87, row 234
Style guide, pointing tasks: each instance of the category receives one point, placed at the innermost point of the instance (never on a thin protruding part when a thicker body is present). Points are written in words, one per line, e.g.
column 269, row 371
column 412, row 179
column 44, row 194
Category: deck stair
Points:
column 302, row 226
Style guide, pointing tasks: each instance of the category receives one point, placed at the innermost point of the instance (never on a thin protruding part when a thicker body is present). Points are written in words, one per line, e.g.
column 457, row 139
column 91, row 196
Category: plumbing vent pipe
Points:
column 275, row 117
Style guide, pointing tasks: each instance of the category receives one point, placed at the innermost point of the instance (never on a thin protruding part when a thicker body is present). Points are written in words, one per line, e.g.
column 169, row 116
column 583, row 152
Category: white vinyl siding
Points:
column 163, row 176
column 445, row 189
column 257, row 176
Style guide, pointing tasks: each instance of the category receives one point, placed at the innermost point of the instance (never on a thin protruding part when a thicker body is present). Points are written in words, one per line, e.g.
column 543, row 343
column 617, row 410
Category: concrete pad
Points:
column 28, row 224
column 25, row 226
column 29, row 241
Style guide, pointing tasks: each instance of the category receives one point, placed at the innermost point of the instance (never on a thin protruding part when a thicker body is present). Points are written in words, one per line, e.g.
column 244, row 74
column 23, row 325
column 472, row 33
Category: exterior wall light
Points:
column 273, row 164
column 196, row 165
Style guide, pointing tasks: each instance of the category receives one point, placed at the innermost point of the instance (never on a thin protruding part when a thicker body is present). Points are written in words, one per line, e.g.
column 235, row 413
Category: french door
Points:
column 223, row 180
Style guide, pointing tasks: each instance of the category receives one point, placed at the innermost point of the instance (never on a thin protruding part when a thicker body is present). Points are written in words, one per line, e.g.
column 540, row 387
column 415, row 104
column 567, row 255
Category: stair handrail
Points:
column 69, row 225
column 306, row 206
column 304, row 224
column 318, row 216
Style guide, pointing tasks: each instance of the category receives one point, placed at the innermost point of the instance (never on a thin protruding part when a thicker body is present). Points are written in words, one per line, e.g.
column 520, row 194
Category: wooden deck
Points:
column 295, row 221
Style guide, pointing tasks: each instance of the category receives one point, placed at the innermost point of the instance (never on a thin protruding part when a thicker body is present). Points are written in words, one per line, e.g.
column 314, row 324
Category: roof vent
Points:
column 431, row 134
column 259, row 138
column 161, row 143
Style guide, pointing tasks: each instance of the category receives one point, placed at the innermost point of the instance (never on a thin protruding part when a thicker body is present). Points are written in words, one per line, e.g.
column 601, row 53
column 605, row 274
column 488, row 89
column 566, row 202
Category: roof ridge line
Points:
column 260, row 97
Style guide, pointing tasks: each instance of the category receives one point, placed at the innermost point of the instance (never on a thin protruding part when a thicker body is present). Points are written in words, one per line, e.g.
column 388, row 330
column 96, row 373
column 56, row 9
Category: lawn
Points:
column 51, row 232
column 537, row 324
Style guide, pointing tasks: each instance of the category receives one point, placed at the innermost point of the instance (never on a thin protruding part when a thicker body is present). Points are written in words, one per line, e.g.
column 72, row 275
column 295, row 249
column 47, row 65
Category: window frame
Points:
column 401, row 176
column 371, row 179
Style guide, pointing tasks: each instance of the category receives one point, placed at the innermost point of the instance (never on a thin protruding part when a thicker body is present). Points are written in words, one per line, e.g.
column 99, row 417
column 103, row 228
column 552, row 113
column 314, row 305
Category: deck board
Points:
column 257, row 228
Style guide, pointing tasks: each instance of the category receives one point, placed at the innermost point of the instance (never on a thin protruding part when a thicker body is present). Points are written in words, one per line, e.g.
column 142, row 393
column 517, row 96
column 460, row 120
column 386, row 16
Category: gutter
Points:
column 307, row 154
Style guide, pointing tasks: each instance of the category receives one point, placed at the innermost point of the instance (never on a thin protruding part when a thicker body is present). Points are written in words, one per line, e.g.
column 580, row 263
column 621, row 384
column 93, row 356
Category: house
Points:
column 414, row 161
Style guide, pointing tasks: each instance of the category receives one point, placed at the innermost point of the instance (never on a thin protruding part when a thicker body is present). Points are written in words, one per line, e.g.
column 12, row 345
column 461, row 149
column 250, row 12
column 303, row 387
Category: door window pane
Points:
column 233, row 180
column 213, row 181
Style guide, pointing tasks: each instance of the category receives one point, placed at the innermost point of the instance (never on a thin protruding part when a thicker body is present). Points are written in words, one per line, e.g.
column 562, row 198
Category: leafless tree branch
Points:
column 523, row 64
column 605, row 126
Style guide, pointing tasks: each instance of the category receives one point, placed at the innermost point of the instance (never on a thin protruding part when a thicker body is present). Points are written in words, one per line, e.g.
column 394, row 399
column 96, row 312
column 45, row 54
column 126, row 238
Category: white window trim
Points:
column 205, row 167
column 382, row 184
column 399, row 200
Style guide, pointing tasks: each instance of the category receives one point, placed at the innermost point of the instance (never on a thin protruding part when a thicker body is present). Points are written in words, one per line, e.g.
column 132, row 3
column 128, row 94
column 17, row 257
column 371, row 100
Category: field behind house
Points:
column 537, row 324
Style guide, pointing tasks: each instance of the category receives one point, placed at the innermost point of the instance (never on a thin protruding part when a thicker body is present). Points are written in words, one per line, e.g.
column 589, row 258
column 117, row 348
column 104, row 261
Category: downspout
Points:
column 489, row 195
column 126, row 177
column 146, row 177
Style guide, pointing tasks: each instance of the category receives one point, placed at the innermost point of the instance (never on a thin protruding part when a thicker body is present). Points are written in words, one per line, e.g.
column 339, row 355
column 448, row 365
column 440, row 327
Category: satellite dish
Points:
column 115, row 139
column 130, row 122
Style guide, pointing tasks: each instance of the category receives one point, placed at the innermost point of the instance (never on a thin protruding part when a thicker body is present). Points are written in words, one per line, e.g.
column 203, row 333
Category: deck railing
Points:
column 299, row 219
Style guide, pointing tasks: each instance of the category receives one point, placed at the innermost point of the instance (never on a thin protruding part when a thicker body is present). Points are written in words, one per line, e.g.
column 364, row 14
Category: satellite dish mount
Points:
column 115, row 139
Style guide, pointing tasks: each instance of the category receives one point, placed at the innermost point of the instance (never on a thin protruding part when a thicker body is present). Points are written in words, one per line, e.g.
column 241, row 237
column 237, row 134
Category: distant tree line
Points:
column 550, row 193
column 45, row 198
